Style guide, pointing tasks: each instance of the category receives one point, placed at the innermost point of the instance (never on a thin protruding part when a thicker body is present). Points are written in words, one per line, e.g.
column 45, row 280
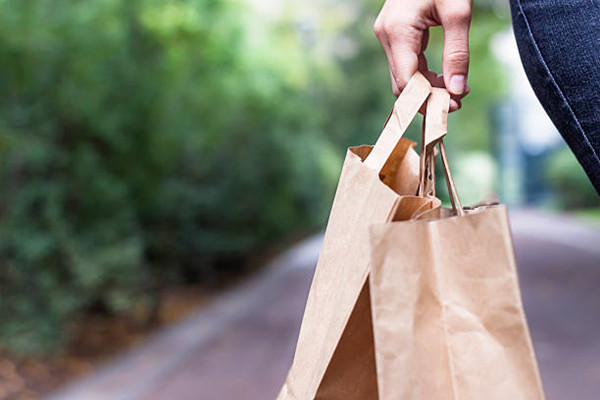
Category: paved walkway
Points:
column 241, row 346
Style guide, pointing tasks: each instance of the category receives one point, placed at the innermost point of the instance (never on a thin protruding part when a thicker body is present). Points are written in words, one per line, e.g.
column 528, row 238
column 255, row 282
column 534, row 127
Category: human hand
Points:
column 402, row 27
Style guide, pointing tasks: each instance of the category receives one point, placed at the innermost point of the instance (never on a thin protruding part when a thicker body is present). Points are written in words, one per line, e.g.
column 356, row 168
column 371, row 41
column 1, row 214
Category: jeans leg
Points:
column 559, row 44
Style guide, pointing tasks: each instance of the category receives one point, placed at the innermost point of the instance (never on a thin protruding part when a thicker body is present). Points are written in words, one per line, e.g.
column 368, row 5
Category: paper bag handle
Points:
column 434, row 130
column 405, row 108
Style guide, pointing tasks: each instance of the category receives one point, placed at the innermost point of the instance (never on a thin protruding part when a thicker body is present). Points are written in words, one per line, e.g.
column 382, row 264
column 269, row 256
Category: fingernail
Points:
column 457, row 84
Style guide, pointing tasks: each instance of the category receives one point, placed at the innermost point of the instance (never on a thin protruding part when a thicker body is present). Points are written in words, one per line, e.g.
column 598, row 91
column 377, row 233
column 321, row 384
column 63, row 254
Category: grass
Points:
column 589, row 215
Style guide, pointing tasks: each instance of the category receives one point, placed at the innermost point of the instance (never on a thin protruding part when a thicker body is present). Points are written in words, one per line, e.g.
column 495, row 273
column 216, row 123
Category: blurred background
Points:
column 155, row 154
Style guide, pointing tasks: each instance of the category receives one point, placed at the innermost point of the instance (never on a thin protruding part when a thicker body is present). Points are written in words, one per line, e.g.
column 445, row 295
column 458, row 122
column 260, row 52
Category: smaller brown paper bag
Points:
column 447, row 313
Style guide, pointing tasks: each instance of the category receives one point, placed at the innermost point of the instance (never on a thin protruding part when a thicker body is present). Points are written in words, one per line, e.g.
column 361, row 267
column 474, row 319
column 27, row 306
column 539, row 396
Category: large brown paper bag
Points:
column 334, row 356
column 447, row 314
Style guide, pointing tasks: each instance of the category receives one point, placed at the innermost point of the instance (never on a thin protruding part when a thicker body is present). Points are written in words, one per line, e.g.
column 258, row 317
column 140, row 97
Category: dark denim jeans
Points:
column 559, row 43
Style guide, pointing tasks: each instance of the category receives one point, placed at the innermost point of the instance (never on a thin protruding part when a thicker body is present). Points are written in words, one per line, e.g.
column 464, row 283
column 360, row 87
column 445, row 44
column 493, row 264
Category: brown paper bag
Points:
column 447, row 312
column 334, row 356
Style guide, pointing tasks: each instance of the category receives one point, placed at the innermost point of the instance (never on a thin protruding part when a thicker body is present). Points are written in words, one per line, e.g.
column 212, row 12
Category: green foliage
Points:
column 570, row 183
column 144, row 143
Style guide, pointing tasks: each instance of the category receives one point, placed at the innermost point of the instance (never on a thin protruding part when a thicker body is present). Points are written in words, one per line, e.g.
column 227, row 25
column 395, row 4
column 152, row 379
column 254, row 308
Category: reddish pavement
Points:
column 241, row 346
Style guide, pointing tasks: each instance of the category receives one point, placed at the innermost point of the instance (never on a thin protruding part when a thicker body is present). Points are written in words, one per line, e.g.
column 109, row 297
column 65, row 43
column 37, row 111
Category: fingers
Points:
column 455, row 60
column 403, row 31
column 403, row 43
column 388, row 53
column 423, row 65
column 438, row 81
column 405, row 56
column 455, row 105
column 395, row 87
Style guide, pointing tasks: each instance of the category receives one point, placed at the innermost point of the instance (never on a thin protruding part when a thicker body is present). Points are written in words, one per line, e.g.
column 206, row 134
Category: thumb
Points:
column 456, row 51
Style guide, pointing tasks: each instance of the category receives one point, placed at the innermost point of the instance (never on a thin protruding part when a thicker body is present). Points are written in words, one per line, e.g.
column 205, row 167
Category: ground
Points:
column 241, row 345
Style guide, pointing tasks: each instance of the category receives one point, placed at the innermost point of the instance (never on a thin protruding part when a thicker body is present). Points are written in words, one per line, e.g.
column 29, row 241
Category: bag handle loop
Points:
column 405, row 108
column 434, row 131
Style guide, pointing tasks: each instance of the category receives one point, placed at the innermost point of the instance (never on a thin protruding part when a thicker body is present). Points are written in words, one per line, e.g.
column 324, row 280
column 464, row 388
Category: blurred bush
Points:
column 150, row 143
column 144, row 143
column 569, row 182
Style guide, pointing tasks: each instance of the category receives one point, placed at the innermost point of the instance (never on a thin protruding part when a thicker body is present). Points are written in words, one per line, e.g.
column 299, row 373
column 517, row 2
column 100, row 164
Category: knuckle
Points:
column 400, row 31
column 389, row 26
column 378, row 29
column 400, row 26
column 458, row 56
column 459, row 15
column 393, row 25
